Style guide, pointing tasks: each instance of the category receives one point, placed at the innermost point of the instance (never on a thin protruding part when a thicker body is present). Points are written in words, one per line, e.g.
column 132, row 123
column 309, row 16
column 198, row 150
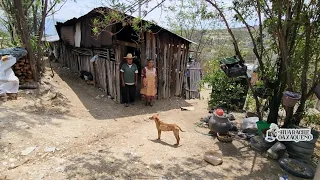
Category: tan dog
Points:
column 161, row 126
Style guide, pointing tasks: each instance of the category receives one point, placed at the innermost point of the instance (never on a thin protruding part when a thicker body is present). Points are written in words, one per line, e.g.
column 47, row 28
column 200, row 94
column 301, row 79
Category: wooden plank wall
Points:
column 116, row 74
column 170, row 54
column 193, row 88
column 88, row 39
column 106, row 70
column 67, row 34
column 84, row 63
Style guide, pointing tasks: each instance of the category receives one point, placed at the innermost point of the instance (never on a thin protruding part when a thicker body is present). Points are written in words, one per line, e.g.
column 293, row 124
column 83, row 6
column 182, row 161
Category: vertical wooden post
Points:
column 153, row 50
column 177, row 56
column 182, row 68
column 184, row 64
column 171, row 66
column 143, row 51
column 148, row 45
column 186, row 88
column 92, row 72
column 165, row 70
column 187, row 53
column 159, row 64
column 117, row 73
column 168, row 69
column 92, row 69
column 107, row 70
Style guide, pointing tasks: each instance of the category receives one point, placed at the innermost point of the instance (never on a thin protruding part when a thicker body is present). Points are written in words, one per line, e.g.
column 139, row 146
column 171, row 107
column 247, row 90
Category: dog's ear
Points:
column 158, row 114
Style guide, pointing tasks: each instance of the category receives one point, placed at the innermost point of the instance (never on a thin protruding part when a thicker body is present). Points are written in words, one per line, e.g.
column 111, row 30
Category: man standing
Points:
column 129, row 78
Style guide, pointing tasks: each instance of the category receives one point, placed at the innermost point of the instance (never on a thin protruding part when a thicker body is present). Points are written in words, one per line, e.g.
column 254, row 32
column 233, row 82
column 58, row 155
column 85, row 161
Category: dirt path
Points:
column 98, row 139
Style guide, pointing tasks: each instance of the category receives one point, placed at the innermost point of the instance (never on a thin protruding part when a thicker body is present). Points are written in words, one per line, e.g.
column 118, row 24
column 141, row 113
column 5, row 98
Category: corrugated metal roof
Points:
column 94, row 12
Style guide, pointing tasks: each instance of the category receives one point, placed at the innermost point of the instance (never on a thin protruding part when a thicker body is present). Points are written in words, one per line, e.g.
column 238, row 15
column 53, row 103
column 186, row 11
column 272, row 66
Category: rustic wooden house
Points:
column 78, row 45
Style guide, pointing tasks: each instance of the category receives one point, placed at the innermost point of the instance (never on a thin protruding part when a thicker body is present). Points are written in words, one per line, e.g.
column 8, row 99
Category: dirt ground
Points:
column 95, row 138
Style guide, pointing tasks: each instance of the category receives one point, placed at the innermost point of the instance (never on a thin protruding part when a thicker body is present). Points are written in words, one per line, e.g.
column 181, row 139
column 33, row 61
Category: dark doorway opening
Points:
column 135, row 52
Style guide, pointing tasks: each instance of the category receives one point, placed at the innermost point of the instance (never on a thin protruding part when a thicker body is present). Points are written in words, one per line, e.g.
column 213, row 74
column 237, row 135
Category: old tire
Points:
column 305, row 145
column 257, row 148
column 292, row 147
column 301, row 157
column 259, row 144
column 291, row 166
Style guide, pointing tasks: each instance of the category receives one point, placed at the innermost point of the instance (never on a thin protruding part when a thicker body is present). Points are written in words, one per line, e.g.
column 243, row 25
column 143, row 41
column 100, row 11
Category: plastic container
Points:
column 290, row 99
column 213, row 157
column 262, row 125
column 219, row 124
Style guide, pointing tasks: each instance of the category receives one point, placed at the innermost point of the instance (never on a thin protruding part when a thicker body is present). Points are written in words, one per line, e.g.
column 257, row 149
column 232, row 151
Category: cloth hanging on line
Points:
column 9, row 83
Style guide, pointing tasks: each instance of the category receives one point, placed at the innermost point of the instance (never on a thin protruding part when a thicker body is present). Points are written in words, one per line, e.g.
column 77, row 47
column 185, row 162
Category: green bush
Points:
column 312, row 119
column 310, row 103
column 224, row 90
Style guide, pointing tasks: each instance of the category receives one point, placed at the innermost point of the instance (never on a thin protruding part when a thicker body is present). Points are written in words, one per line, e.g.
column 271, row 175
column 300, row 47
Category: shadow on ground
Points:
column 105, row 166
column 259, row 167
column 101, row 107
column 12, row 120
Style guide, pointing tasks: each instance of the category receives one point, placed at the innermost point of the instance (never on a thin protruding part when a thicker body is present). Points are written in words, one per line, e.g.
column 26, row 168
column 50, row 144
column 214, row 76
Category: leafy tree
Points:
column 193, row 20
column 225, row 90
column 289, row 29
column 26, row 21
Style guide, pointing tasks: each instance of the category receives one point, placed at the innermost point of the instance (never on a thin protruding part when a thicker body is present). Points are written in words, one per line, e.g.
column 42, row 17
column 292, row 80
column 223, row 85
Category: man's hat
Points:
column 129, row 56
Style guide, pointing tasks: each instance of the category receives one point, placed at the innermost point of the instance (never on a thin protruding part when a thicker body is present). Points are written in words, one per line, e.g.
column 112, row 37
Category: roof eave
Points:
column 93, row 10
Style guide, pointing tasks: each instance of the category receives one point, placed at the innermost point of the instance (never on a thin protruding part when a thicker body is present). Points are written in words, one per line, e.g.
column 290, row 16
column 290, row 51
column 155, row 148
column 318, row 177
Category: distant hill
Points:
column 217, row 38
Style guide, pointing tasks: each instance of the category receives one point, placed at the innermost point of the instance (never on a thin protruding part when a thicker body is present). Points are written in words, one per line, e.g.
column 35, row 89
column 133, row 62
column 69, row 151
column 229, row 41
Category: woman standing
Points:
column 149, row 83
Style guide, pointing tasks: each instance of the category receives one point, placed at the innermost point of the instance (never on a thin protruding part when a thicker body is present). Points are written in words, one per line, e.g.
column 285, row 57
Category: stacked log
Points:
column 22, row 69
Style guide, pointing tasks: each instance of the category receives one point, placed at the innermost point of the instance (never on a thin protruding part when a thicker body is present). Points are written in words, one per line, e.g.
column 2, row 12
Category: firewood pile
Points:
column 22, row 69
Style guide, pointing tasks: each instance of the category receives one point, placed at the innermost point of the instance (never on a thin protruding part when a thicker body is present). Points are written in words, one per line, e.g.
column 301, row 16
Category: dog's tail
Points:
column 180, row 129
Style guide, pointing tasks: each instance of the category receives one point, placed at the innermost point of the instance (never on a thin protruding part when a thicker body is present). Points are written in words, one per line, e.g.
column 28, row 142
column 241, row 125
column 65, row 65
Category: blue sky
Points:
column 81, row 7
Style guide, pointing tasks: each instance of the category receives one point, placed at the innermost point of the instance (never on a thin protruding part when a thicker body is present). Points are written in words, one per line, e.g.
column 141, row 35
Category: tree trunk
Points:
column 40, row 35
column 35, row 18
column 25, row 37
column 300, row 111
column 238, row 54
column 274, row 106
column 275, row 100
column 304, row 84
